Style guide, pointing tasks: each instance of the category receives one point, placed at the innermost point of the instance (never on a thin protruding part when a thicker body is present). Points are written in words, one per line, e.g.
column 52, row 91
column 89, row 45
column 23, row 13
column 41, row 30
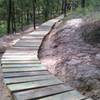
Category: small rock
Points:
column 74, row 62
column 97, row 56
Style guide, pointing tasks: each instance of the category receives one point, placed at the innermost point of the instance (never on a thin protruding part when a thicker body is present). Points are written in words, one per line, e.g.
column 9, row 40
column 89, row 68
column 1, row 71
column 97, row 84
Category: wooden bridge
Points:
column 24, row 75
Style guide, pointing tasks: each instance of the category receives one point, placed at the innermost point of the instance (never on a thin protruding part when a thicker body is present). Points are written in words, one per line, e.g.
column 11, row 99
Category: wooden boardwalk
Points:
column 24, row 75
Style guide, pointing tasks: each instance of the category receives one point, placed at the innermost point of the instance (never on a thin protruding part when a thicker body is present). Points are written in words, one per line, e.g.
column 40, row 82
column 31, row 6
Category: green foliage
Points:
column 45, row 9
column 23, row 12
column 3, row 28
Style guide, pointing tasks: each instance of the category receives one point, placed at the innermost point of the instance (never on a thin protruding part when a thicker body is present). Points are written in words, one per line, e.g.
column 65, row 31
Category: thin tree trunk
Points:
column 65, row 7
column 14, row 22
column 62, row 7
column 9, row 17
column 83, row 3
column 34, row 15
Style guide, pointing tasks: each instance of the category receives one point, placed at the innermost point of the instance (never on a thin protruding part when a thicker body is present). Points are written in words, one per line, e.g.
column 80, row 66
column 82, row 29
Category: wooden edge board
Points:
column 33, row 85
column 19, row 58
column 27, row 79
column 41, row 92
column 23, row 65
column 20, row 62
column 23, row 69
column 24, row 74
column 71, row 95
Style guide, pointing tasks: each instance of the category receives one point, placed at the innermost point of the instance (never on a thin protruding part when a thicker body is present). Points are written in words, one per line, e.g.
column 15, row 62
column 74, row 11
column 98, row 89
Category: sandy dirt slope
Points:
column 74, row 61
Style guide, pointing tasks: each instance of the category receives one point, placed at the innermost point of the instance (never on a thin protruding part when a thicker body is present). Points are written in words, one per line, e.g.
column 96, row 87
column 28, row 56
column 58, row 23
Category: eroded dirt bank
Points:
column 74, row 61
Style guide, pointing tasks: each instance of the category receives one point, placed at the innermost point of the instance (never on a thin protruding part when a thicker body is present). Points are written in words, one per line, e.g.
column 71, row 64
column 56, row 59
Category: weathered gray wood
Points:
column 30, row 41
column 44, row 27
column 41, row 92
column 32, row 38
column 22, row 65
column 33, row 85
column 27, row 79
column 20, row 62
column 24, row 74
column 14, row 54
column 72, row 95
column 39, row 33
column 10, row 67
column 33, row 35
column 23, row 69
column 27, row 44
column 14, row 58
column 21, row 52
column 24, row 48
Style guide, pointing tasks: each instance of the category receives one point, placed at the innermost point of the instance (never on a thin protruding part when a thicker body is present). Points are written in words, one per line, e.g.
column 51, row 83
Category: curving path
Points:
column 24, row 75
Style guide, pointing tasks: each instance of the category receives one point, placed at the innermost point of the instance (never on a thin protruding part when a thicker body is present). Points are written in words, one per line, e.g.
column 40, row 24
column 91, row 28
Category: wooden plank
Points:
column 44, row 27
column 41, row 92
column 27, row 44
column 32, row 46
column 22, row 65
column 33, row 85
column 22, row 58
column 14, row 56
column 24, row 74
column 33, row 34
column 21, row 52
column 48, row 24
column 27, row 79
column 72, row 95
column 36, row 34
column 31, row 40
column 39, row 33
column 24, row 48
column 16, row 53
column 41, row 66
column 23, row 69
column 20, row 62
